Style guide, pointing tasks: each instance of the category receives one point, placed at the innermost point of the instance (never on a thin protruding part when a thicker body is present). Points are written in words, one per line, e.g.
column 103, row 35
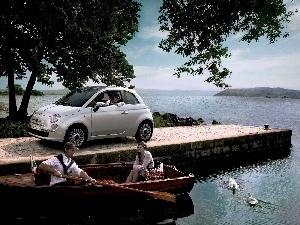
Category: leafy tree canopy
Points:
column 78, row 40
column 197, row 29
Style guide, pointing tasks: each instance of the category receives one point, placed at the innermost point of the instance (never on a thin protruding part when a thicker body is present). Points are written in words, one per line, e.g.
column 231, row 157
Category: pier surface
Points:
column 188, row 142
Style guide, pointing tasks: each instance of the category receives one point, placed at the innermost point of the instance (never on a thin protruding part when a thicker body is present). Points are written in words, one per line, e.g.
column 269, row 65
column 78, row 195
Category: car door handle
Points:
column 124, row 112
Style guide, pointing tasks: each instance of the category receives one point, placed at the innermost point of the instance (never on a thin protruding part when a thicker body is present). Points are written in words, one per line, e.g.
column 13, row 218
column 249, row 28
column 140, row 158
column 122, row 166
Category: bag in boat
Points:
column 155, row 174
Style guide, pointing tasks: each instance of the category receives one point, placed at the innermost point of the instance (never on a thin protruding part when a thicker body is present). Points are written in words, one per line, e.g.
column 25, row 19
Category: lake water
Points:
column 274, row 180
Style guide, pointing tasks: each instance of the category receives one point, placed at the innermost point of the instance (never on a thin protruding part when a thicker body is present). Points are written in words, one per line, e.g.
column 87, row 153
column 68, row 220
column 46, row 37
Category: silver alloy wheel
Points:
column 76, row 135
column 144, row 132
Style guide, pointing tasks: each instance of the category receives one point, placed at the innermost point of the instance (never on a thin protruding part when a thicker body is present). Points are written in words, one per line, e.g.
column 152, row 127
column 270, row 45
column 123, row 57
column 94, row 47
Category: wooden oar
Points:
column 154, row 194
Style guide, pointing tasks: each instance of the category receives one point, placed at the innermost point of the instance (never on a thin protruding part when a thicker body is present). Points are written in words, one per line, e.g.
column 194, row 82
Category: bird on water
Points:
column 232, row 184
column 251, row 200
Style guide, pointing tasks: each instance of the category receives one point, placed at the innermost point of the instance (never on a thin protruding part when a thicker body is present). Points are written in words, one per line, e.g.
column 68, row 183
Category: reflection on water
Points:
column 271, row 179
column 248, row 162
column 34, row 103
column 131, row 212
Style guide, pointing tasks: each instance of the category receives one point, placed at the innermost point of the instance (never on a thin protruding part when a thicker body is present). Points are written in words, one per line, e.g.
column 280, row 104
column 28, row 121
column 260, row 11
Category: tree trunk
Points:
column 12, row 96
column 9, row 63
column 22, row 113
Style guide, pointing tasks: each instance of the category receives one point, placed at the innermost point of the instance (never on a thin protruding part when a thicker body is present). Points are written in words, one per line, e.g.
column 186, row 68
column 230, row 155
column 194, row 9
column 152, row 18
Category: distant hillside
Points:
column 266, row 92
column 49, row 92
column 56, row 92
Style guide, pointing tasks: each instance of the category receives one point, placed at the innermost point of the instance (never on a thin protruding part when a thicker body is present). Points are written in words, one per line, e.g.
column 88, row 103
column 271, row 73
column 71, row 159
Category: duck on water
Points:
column 251, row 200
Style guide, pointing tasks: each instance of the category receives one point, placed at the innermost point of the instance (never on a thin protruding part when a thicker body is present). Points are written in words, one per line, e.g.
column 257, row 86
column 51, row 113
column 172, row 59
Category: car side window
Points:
column 99, row 98
column 130, row 98
column 105, row 97
column 96, row 99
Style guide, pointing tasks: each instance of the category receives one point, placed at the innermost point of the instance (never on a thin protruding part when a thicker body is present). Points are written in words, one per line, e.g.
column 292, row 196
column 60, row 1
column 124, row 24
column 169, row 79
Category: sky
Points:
column 258, row 64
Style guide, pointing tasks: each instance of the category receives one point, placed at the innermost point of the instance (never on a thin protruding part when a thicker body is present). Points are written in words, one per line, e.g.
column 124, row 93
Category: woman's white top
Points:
column 147, row 163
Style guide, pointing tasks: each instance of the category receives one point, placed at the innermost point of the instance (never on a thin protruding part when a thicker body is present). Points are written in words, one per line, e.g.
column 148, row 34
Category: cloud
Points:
column 295, row 19
column 152, row 32
column 154, row 77
column 266, row 71
column 281, row 62
column 238, row 53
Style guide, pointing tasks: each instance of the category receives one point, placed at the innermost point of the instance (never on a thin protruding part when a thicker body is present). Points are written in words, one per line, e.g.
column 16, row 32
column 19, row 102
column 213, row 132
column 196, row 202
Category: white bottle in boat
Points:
column 33, row 165
column 161, row 167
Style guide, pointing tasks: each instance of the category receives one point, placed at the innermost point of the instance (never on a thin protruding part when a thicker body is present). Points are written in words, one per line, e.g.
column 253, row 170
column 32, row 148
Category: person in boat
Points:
column 115, row 100
column 143, row 161
column 63, row 164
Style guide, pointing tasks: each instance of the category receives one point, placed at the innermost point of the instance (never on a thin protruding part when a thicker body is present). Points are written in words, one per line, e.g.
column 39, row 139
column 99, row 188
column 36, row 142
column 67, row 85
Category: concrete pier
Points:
column 170, row 144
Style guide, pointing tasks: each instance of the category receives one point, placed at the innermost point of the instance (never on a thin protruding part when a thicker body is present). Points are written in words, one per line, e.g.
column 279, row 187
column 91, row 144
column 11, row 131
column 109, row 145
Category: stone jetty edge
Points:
column 168, row 144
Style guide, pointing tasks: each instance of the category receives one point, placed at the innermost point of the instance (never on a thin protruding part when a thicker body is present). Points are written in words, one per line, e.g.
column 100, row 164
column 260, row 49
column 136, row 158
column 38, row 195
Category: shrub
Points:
column 13, row 129
column 172, row 120
column 37, row 93
column 158, row 121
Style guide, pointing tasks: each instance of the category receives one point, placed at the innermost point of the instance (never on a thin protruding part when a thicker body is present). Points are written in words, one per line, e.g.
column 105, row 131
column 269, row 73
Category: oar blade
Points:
column 163, row 196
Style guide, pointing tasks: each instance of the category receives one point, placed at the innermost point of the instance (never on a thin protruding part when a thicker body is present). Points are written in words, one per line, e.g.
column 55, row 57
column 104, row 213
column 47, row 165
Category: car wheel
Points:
column 144, row 132
column 77, row 135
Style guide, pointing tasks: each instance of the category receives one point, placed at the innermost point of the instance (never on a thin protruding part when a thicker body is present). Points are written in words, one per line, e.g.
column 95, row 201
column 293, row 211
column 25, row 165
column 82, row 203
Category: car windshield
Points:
column 79, row 97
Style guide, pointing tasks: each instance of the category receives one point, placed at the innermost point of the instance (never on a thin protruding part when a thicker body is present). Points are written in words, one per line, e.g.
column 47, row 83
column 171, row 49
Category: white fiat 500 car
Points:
column 85, row 114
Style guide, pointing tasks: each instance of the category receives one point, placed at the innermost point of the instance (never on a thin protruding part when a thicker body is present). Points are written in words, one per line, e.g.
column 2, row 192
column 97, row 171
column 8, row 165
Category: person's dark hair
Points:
column 68, row 146
column 142, row 143
column 116, row 94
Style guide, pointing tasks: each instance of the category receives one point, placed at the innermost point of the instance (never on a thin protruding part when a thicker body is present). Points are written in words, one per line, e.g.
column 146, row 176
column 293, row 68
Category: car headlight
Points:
column 54, row 118
column 53, row 127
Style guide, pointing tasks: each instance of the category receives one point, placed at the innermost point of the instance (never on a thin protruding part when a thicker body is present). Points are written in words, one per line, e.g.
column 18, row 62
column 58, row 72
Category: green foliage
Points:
column 172, row 120
column 159, row 121
column 197, row 30
column 13, row 129
column 4, row 92
column 18, row 89
column 78, row 40
column 37, row 93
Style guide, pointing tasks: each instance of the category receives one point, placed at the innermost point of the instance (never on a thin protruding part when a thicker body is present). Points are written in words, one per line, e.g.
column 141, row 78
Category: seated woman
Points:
column 142, row 162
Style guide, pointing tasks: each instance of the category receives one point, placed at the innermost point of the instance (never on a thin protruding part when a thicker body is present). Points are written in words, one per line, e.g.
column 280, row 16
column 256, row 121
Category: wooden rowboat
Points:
column 110, row 188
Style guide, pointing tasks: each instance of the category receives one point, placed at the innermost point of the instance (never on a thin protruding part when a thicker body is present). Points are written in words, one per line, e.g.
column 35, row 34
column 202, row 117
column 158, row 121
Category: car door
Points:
column 110, row 120
column 135, row 109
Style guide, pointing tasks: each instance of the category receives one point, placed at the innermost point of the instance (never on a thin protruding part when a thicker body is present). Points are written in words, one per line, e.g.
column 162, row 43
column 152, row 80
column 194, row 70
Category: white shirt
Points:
column 147, row 163
column 54, row 162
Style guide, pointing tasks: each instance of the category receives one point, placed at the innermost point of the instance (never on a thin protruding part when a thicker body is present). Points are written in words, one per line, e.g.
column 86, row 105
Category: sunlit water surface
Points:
column 274, row 181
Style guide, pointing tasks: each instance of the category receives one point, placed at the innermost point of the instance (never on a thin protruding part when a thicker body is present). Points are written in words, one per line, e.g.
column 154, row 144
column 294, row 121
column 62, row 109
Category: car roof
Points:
column 109, row 88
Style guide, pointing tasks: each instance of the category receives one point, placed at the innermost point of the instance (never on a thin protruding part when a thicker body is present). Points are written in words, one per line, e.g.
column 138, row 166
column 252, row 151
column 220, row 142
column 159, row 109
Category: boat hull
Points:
column 22, row 188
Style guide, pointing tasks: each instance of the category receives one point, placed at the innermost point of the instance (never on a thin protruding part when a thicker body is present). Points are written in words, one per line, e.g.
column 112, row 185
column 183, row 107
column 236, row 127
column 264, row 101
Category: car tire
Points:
column 77, row 134
column 144, row 132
